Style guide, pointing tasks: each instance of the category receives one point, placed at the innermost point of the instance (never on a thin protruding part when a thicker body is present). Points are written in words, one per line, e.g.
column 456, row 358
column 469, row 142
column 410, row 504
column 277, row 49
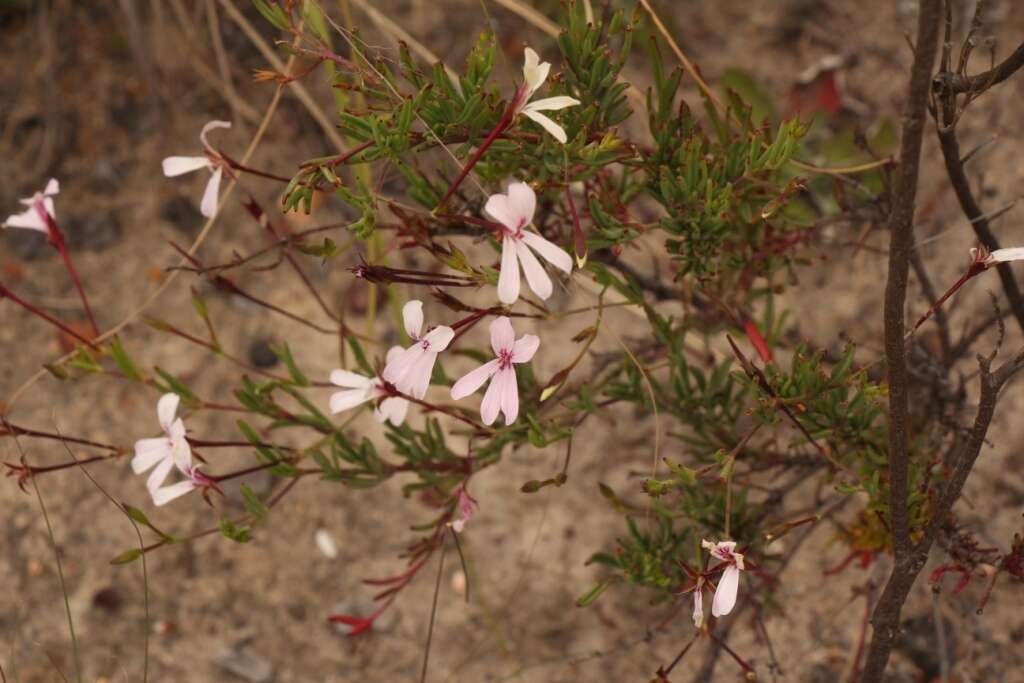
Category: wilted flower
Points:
column 515, row 211
column 729, row 583
column 698, row 602
column 535, row 73
column 166, row 452
column 175, row 166
column 503, row 394
column 40, row 205
column 409, row 370
column 360, row 389
column 467, row 509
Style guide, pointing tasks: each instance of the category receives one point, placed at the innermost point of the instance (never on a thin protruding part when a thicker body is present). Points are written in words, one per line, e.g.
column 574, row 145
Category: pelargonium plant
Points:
column 662, row 248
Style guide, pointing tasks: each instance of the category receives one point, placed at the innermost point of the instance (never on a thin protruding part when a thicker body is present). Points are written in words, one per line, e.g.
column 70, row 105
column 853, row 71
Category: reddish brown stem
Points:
column 503, row 124
column 5, row 292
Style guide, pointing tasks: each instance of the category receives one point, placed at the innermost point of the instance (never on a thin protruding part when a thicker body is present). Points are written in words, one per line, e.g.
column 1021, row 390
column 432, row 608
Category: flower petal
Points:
column 439, row 338
column 1010, row 254
column 52, row 187
column 502, row 335
column 536, row 276
column 181, row 451
column 491, row 404
column 166, row 408
column 524, row 348
column 393, row 353
column 725, row 595
column 509, row 395
column 508, row 277
column 522, row 201
column 164, row 495
column 208, row 207
column 418, row 379
column 351, row 380
column 211, row 126
column 175, row 166
column 549, row 251
column 350, row 398
column 393, row 410
column 159, row 474
column 412, row 316
column 149, row 452
column 551, row 103
column 474, row 379
column 28, row 219
column 499, row 208
column 397, row 368
column 557, row 132
column 535, row 72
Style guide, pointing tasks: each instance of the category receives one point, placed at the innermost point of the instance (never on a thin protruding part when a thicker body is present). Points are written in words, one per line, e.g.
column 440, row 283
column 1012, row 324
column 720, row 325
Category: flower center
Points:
column 504, row 359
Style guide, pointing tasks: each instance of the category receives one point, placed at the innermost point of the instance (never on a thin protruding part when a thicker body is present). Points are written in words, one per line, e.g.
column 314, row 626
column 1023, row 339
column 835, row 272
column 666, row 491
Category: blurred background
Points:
column 96, row 93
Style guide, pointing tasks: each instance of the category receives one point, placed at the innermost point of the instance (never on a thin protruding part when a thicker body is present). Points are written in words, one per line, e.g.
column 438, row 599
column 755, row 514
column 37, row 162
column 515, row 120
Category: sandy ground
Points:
column 101, row 109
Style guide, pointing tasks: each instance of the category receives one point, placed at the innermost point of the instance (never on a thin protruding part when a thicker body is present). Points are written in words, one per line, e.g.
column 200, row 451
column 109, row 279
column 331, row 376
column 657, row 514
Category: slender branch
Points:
column 968, row 204
column 979, row 83
column 885, row 619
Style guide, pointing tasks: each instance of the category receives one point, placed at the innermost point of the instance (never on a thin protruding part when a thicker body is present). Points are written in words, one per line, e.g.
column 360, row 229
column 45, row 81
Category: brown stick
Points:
column 901, row 241
column 977, row 84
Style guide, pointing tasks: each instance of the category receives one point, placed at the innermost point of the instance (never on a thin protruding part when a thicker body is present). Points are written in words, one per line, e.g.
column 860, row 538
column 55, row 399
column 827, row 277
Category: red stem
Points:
column 57, row 240
column 503, row 124
column 5, row 292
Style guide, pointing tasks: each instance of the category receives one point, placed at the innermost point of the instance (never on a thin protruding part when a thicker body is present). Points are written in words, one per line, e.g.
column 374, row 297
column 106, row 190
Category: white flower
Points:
column 535, row 73
column 166, row 452
column 997, row 256
column 360, row 389
column 503, row 394
column 175, row 166
column 410, row 369
column 729, row 583
column 515, row 211
column 33, row 217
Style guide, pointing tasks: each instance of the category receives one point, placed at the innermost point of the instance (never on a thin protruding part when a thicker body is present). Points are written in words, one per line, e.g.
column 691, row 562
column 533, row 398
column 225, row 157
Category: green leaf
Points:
column 593, row 594
column 123, row 361
column 285, row 354
column 127, row 557
column 136, row 514
column 253, row 505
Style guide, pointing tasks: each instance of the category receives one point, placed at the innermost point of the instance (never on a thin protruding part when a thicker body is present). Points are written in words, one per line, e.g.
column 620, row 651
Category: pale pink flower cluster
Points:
column 166, row 453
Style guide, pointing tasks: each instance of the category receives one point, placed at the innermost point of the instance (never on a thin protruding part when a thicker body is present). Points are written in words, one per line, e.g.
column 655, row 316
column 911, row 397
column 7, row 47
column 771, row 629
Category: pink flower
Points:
column 467, row 509
column 409, row 370
column 360, row 389
column 515, row 211
column 535, row 73
column 175, row 166
column 40, row 205
column 729, row 583
column 503, row 394
column 166, row 452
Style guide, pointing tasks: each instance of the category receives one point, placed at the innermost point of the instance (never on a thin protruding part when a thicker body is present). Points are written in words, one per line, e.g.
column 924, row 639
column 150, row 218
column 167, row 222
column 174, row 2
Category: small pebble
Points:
column 459, row 582
column 261, row 355
column 325, row 542
column 244, row 663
